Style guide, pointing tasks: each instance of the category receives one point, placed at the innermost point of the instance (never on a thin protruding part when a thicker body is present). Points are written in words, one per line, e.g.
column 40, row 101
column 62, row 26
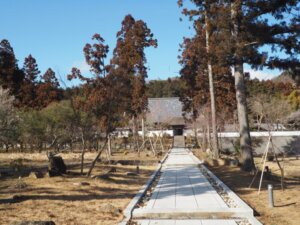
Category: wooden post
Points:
column 154, row 153
column 263, row 166
column 143, row 130
column 161, row 144
column 109, row 145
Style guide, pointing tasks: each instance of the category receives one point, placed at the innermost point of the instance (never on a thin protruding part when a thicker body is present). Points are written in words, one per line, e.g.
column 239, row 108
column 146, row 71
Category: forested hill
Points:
column 164, row 88
column 173, row 86
column 287, row 77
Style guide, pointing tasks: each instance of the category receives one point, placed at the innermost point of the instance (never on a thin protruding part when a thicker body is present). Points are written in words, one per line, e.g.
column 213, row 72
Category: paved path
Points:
column 186, row 222
column 178, row 141
column 184, row 196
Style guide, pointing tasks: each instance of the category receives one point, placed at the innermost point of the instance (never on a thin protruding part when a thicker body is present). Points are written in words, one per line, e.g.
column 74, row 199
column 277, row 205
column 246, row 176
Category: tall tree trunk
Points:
column 245, row 139
column 109, row 146
column 212, row 94
column 82, row 152
column 143, row 129
column 135, row 133
column 204, row 142
column 195, row 133
column 208, row 135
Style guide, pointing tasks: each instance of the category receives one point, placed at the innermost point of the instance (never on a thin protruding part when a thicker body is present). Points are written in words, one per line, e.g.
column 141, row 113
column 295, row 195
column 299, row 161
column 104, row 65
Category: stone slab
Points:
column 203, row 213
column 183, row 195
column 186, row 222
column 128, row 210
column 184, row 187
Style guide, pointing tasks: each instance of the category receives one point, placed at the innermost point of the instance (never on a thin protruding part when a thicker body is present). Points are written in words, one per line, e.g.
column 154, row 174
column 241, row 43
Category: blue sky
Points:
column 55, row 31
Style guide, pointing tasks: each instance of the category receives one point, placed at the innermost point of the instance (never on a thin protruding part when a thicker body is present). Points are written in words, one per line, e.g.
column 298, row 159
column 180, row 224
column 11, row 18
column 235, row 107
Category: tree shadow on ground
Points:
column 121, row 194
column 39, row 190
column 239, row 180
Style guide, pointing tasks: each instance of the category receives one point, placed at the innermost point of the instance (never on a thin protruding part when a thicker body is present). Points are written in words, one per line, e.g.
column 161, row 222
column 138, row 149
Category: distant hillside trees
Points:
column 269, row 87
column 294, row 99
column 37, row 91
column 48, row 90
column 29, row 88
column 11, row 76
column 171, row 87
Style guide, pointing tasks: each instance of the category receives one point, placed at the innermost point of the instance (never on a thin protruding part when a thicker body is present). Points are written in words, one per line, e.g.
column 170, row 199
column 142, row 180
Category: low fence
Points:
column 284, row 141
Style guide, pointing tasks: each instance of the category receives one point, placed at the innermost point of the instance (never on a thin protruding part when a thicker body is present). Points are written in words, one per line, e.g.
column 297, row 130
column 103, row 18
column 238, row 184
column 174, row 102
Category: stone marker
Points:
column 56, row 166
column 35, row 175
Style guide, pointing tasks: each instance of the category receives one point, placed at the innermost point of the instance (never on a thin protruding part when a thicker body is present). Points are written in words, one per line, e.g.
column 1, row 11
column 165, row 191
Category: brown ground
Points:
column 287, row 202
column 59, row 200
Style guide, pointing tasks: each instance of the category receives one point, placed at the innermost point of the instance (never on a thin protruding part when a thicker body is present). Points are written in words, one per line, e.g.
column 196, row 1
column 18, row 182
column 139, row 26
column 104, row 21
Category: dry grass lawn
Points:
column 59, row 200
column 287, row 202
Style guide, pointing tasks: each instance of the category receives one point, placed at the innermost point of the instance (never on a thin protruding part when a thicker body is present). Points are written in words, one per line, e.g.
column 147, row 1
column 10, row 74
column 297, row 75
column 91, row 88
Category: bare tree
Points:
column 8, row 119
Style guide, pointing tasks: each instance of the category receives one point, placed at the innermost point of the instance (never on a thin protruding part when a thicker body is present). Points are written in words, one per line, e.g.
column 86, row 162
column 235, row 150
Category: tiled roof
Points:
column 163, row 110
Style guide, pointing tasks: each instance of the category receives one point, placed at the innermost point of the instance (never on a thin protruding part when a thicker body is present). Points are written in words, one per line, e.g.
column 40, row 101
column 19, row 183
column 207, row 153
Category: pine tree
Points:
column 11, row 76
column 47, row 90
column 251, row 30
column 247, row 25
column 128, row 64
column 129, row 61
column 205, row 18
column 28, row 89
column 195, row 75
column 101, row 97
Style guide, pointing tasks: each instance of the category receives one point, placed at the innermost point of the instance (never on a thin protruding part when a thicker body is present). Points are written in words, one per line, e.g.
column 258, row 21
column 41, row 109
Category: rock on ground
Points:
column 109, row 208
column 35, row 175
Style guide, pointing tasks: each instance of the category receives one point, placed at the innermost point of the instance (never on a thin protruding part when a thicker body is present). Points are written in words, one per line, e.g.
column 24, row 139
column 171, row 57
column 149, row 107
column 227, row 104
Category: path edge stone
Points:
column 129, row 209
column 230, row 193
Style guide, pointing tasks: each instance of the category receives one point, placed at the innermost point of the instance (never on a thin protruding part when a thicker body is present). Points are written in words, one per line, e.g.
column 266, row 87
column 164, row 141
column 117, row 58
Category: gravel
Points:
column 149, row 192
column 224, row 195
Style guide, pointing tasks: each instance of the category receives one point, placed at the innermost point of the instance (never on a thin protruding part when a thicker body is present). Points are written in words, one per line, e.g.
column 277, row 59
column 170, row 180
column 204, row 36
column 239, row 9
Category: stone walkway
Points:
column 187, row 222
column 184, row 196
column 179, row 141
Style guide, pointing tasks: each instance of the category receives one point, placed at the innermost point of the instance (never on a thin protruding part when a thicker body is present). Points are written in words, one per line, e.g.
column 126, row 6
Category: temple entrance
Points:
column 177, row 124
column 178, row 130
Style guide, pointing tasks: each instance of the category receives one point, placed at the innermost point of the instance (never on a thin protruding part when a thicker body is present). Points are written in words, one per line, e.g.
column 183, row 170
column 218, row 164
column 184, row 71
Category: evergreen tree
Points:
column 195, row 75
column 47, row 90
column 205, row 18
column 245, row 27
column 11, row 76
column 100, row 97
column 128, row 65
column 28, row 90
column 252, row 29
column 129, row 62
